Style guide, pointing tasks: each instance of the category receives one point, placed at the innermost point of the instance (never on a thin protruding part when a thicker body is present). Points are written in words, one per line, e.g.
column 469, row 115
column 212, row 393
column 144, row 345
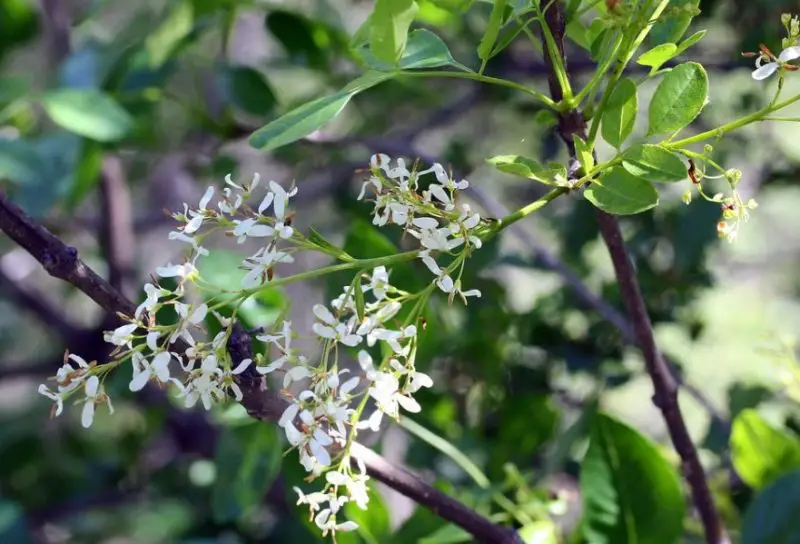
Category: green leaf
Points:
column 690, row 41
column 620, row 114
column 671, row 26
column 248, row 459
column 309, row 117
column 299, row 37
column 760, row 452
column 772, row 516
column 620, row 193
column 448, row 534
column 165, row 39
column 540, row 532
column 247, row 89
column 89, row 113
column 630, row 492
column 486, row 46
column 391, row 20
column 584, row 155
column 653, row 163
column 325, row 246
column 518, row 165
column 423, row 50
column 657, row 56
column 19, row 162
column 678, row 98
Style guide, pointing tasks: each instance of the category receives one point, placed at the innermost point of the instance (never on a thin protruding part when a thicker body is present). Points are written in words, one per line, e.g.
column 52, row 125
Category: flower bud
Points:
column 687, row 197
column 734, row 176
column 708, row 149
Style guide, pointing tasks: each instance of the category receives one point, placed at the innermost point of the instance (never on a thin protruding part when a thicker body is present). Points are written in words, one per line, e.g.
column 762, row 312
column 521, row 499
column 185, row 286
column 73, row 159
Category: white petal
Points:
column 349, row 385
column 323, row 314
column 268, row 198
column 288, row 415
column 260, row 231
column 92, row 384
column 425, row 222
column 242, row 366
column 87, row 415
column 199, row 314
column 347, row 526
column 139, row 380
column 409, row 404
column 765, row 71
column 206, row 197
column 192, row 226
column 790, row 53
column 323, row 331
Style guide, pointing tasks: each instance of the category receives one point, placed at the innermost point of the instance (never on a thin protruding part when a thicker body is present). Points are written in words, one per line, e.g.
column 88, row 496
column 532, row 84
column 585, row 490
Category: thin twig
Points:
column 664, row 383
column 63, row 262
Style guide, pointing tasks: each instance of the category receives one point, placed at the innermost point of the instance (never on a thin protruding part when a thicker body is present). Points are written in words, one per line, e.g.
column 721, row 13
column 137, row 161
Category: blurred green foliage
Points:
column 521, row 374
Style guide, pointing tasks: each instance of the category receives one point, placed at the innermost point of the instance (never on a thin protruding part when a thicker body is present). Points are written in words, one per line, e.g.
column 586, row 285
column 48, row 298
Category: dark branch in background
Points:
column 59, row 260
column 57, row 22
column 62, row 262
column 116, row 232
column 32, row 302
column 665, row 386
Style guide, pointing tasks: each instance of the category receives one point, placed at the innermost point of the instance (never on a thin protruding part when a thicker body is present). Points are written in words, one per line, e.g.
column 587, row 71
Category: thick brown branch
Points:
column 664, row 383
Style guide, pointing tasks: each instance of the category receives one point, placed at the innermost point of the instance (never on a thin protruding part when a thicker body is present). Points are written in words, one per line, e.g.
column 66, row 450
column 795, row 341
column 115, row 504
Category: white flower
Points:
column 379, row 283
column 386, row 392
column 332, row 329
column 252, row 228
column 188, row 317
column 153, row 294
column 279, row 205
column 176, row 270
column 443, row 280
column 122, row 335
column 55, row 397
column 763, row 71
column 313, row 500
column 69, row 378
column 259, row 263
column 94, row 396
column 144, row 370
column 197, row 217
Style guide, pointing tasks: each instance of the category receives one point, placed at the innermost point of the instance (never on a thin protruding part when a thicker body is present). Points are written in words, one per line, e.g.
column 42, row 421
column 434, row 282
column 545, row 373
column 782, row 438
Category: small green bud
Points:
column 708, row 149
column 687, row 197
column 785, row 19
column 734, row 176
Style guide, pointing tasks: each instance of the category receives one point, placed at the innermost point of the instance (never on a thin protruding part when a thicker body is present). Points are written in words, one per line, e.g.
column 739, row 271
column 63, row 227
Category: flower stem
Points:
column 760, row 115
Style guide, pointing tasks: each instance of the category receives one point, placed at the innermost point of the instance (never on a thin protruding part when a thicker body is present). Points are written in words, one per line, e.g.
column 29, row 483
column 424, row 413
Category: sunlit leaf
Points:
column 89, row 113
column 309, row 117
column 620, row 193
column 679, row 98
column 389, row 26
column 630, row 492
column 761, row 453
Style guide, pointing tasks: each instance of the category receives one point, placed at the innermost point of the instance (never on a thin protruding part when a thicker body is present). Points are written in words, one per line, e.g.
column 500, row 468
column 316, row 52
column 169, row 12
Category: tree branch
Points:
column 28, row 300
column 63, row 262
column 665, row 386
column 116, row 229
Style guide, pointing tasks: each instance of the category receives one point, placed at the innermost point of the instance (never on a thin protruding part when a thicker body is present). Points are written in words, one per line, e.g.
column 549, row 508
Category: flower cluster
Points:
column 431, row 216
column 325, row 400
